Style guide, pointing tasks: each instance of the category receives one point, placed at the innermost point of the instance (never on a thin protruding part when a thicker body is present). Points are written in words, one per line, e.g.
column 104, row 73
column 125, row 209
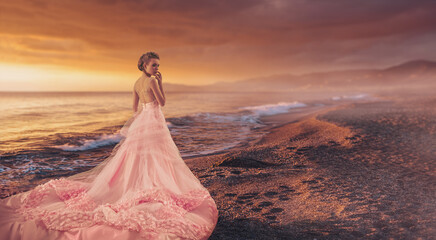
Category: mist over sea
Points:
column 46, row 133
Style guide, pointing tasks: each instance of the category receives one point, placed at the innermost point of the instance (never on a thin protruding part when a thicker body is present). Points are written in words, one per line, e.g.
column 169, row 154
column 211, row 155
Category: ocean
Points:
column 54, row 134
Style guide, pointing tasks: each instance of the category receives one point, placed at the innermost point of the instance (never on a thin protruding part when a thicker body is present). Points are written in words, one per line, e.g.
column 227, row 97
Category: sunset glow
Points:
column 49, row 45
column 54, row 78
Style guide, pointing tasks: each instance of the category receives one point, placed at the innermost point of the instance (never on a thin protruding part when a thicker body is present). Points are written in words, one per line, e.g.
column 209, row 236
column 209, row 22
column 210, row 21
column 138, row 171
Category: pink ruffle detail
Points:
column 78, row 210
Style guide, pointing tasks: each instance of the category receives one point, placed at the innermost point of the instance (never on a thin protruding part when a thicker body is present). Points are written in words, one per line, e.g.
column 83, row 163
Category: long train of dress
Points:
column 143, row 190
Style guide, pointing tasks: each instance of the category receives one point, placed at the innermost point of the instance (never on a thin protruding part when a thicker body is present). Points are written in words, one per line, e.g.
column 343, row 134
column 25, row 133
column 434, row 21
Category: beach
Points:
column 337, row 170
column 356, row 171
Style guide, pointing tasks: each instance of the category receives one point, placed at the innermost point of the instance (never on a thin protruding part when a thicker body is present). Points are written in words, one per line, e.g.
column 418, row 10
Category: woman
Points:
column 143, row 189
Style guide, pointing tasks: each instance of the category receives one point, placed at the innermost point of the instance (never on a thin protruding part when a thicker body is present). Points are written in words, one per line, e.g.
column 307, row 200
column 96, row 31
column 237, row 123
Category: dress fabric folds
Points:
column 144, row 190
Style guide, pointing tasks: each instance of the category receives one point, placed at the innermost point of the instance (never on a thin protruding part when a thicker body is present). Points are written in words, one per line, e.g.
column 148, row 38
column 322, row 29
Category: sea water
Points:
column 52, row 134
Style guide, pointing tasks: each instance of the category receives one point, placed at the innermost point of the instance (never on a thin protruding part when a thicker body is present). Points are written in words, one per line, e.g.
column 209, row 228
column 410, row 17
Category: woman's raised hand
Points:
column 158, row 76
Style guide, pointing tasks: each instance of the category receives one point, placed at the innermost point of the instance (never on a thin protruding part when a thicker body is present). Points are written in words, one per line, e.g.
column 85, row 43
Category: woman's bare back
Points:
column 142, row 88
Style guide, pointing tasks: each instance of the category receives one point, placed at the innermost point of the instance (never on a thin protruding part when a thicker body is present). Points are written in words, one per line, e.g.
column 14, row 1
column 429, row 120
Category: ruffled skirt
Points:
column 144, row 189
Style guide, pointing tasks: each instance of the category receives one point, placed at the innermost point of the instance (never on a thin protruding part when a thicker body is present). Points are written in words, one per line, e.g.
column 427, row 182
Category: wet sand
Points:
column 360, row 171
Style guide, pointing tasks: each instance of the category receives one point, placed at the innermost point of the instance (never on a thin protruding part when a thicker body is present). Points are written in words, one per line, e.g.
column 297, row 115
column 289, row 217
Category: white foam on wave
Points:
column 272, row 109
column 31, row 167
column 352, row 97
column 4, row 168
column 252, row 117
column 222, row 118
column 103, row 140
column 215, row 117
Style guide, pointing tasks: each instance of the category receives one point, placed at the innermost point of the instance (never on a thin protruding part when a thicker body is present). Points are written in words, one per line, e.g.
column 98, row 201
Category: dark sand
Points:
column 361, row 171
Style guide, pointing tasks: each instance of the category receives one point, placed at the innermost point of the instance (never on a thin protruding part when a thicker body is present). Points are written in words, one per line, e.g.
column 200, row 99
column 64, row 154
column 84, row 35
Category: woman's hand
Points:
column 159, row 77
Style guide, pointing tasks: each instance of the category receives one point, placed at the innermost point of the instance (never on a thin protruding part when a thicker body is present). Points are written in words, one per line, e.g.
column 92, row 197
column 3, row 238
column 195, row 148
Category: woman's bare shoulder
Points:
column 139, row 80
column 153, row 82
column 135, row 85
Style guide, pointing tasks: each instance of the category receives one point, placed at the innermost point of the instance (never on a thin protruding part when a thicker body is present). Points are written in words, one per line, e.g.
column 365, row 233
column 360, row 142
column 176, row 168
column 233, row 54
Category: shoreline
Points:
column 277, row 120
column 271, row 122
column 345, row 171
column 350, row 170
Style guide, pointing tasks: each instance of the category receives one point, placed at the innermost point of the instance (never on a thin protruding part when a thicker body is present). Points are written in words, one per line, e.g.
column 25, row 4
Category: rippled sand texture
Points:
column 364, row 171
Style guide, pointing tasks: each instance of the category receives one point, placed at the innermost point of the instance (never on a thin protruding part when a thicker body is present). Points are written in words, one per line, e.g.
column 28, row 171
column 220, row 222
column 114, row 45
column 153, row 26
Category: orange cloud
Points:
column 202, row 42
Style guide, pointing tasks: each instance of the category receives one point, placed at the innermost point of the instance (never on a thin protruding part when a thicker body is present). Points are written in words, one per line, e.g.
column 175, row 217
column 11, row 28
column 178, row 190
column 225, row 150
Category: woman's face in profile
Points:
column 152, row 67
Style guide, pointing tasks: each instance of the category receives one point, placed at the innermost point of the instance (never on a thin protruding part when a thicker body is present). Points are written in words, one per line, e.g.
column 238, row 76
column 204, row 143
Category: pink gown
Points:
column 143, row 190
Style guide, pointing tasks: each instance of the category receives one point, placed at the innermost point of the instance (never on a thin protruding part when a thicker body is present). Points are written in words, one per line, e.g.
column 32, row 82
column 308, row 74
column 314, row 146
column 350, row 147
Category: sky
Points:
column 94, row 45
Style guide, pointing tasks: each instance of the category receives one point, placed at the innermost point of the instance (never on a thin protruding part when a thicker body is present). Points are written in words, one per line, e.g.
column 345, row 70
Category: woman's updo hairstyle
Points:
column 145, row 58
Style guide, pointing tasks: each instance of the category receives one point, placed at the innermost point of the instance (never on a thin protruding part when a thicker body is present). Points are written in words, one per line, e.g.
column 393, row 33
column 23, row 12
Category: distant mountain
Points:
column 171, row 87
column 417, row 72
column 413, row 66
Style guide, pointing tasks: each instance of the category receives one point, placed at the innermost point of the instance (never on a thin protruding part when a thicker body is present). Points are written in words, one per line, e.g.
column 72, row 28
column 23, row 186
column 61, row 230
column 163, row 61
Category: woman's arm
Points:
column 135, row 100
column 158, row 91
column 159, row 80
column 161, row 88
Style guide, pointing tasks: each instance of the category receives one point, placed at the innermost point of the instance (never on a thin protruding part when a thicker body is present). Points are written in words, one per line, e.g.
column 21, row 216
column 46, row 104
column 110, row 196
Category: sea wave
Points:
column 351, row 97
column 87, row 144
column 272, row 109
column 245, row 118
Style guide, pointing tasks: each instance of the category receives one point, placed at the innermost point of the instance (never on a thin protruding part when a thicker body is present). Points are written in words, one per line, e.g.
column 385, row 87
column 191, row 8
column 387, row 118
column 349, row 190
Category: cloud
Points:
column 227, row 39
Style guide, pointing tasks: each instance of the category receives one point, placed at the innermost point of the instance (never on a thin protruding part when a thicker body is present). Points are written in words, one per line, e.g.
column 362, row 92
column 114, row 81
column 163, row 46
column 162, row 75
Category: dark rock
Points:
column 244, row 162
